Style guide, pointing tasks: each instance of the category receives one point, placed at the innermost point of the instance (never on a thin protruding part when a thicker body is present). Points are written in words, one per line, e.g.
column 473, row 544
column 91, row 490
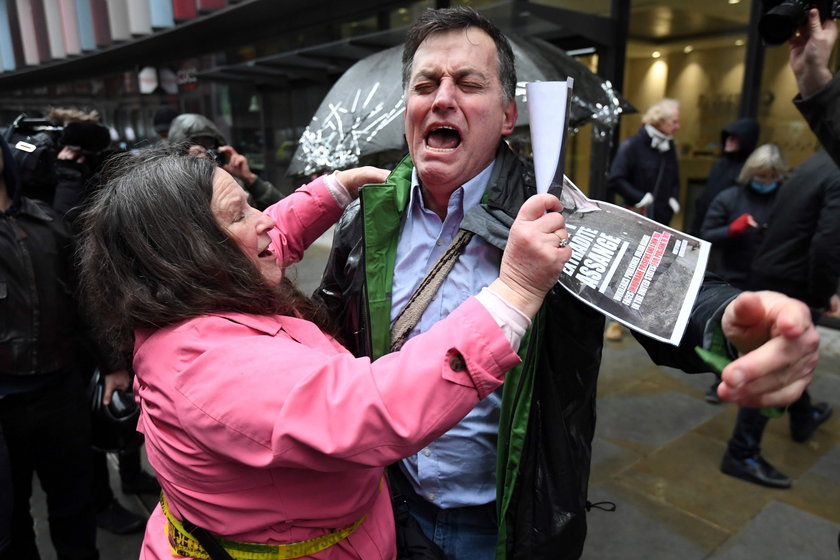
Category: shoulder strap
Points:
column 428, row 287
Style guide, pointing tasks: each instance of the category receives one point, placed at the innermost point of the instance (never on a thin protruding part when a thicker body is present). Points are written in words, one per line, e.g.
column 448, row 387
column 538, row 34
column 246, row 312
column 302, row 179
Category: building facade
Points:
column 260, row 68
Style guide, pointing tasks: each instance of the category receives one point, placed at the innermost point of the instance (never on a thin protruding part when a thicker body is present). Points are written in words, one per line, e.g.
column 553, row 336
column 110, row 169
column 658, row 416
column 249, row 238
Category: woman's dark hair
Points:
column 446, row 19
column 152, row 254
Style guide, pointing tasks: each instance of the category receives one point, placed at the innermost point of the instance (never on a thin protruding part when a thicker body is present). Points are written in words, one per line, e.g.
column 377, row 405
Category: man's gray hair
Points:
column 434, row 21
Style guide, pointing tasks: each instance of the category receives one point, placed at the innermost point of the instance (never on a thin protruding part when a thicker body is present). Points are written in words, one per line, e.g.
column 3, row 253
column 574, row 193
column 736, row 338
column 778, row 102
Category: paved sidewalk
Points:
column 657, row 452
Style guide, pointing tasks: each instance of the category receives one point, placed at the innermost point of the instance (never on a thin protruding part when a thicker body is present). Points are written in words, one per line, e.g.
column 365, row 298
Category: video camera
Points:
column 35, row 142
column 782, row 18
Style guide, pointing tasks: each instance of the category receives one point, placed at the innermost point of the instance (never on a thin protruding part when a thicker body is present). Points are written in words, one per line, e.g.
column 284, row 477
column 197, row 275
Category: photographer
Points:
column 810, row 51
column 83, row 150
column 202, row 135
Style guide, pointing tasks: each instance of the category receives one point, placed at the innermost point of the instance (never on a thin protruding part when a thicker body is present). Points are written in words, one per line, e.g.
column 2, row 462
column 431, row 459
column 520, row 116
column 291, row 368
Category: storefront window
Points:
column 403, row 16
column 597, row 7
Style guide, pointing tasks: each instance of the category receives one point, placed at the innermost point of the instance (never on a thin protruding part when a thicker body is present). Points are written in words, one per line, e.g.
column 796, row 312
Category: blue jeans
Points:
column 463, row 533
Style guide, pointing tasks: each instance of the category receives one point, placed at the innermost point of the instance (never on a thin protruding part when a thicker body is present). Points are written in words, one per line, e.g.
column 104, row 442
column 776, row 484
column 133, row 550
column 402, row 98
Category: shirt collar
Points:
column 464, row 197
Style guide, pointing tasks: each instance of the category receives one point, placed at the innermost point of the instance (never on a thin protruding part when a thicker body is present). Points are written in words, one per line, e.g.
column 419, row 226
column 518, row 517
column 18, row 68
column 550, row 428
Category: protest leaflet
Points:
column 639, row 272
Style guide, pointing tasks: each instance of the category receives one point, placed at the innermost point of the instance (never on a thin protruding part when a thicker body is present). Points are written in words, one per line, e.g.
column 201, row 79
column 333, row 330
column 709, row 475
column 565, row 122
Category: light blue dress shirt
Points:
column 459, row 468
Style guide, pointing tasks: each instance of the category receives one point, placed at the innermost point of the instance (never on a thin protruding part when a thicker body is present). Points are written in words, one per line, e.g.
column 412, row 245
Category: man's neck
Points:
column 437, row 199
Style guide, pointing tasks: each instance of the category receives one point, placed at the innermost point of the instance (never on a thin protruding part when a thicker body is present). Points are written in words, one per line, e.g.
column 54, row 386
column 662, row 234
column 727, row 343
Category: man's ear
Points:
column 509, row 121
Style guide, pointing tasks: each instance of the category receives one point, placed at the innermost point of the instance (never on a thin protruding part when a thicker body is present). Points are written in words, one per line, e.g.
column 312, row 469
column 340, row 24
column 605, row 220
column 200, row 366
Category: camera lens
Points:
column 780, row 23
column 219, row 157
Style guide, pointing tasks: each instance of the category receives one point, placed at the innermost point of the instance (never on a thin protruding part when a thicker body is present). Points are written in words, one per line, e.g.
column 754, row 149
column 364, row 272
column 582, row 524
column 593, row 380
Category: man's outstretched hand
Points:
column 779, row 347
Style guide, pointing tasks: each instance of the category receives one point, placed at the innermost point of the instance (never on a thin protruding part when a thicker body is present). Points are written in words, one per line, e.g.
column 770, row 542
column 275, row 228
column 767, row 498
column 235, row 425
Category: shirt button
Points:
column 439, row 242
column 456, row 362
column 427, row 452
column 430, row 496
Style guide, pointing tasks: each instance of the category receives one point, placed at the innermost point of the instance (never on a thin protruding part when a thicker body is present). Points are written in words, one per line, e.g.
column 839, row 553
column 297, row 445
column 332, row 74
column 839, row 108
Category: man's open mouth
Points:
column 443, row 139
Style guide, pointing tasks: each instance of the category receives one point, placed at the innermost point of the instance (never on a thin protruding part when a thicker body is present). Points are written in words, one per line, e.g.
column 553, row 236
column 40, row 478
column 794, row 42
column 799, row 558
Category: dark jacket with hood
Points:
column 548, row 406
column 188, row 126
column 800, row 252
column 724, row 172
column 40, row 325
column 639, row 168
column 737, row 252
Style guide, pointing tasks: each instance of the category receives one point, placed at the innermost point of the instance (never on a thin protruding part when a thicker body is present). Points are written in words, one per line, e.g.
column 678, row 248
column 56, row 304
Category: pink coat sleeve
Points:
column 301, row 218
column 290, row 399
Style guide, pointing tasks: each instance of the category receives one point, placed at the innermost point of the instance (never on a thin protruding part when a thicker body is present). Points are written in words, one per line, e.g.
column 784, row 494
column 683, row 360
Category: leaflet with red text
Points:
column 637, row 271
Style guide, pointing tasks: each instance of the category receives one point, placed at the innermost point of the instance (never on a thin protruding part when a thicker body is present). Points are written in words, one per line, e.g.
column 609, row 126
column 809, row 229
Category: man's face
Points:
column 670, row 125
column 454, row 115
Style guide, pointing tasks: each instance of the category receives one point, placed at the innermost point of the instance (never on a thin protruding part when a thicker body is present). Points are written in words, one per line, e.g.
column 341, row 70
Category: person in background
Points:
column 819, row 87
column 738, row 140
column 6, row 493
column 200, row 134
column 645, row 171
column 44, row 412
column 84, row 147
column 736, row 218
column 84, row 151
column 799, row 256
column 646, row 174
column 460, row 81
column 162, row 120
column 263, row 430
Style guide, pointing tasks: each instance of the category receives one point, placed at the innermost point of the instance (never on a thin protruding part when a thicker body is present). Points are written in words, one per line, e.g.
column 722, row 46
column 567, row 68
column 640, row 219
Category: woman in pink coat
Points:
column 262, row 429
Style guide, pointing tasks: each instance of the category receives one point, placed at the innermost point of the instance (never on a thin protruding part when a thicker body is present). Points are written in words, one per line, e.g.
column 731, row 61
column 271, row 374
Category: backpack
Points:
column 35, row 144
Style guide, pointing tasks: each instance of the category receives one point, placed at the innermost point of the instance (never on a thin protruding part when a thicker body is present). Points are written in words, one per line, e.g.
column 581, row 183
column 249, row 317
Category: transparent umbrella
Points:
column 362, row 114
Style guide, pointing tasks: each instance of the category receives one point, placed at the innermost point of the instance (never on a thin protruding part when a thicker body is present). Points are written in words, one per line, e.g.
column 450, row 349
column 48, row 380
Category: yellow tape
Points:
column 183, row 544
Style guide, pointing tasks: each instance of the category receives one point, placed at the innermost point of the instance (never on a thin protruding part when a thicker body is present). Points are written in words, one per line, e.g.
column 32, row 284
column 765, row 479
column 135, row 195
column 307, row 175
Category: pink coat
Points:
column 264, row 429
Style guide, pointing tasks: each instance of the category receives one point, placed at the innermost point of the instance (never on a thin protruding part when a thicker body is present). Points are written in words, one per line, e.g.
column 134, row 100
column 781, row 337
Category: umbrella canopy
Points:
column 362, row 113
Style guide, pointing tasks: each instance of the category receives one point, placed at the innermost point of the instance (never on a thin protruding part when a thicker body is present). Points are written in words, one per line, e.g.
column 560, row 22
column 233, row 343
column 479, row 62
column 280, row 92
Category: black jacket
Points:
column 724, row 172
column 737, row 252
column 638, row 169
column 547, row 517
column 38, row 319
column 800, row 253
column 822, row 111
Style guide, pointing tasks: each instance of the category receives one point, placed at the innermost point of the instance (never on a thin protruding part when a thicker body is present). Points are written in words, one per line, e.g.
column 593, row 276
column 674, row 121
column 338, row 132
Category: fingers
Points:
column 355, row 178
column 781, row 397
column 537, row 205
column 754, row 317
column 542, row 211
column 785, row 353
column 115, row 380
column 814, row 24
column 533, row 259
